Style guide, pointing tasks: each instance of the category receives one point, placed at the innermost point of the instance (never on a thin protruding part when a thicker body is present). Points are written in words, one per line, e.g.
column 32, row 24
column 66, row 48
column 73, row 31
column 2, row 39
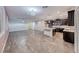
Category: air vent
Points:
column 44, row 6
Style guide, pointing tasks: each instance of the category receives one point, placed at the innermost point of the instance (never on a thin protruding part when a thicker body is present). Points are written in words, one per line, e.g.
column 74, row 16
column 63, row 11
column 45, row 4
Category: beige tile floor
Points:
column 31, row 41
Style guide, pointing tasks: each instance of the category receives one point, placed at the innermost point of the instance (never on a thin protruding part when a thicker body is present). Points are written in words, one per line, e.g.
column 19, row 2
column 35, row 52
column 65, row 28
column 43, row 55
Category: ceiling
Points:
column 35, row 13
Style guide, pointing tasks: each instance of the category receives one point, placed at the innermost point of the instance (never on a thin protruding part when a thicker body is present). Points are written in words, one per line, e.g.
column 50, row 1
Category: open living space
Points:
column 39, row 29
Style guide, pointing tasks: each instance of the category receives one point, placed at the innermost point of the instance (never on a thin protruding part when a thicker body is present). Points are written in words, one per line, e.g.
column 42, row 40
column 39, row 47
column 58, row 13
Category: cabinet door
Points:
column 71, row 18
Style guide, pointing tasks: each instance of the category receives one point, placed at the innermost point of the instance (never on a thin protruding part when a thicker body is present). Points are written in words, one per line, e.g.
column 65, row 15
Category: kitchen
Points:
column 41, row 31
column 62, row 25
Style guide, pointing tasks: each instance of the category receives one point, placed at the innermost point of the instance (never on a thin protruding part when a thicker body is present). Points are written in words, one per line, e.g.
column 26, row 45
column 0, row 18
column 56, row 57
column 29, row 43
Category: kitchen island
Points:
column 68, row 32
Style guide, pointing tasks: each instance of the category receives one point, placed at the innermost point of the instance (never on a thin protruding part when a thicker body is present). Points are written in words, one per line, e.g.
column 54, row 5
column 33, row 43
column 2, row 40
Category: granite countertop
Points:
column 66, row 28
column 69, row 29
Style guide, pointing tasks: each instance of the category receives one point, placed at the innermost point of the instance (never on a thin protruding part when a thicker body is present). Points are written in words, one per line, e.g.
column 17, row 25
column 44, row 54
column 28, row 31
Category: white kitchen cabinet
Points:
column 48, row 32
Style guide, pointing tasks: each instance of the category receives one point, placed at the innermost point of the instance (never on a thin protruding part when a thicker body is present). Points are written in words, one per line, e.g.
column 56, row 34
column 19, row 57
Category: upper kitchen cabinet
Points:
column 71, row 18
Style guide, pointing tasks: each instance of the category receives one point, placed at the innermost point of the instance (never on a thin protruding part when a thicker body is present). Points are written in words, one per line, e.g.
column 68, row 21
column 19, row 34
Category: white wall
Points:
column 26, row 26
column 77, row 29
column 20, row 26
column 4, row 28
column 39, row 25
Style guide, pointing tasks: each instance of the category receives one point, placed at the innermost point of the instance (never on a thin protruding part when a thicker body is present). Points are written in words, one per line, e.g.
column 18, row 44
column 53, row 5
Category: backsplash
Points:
column 57, row 22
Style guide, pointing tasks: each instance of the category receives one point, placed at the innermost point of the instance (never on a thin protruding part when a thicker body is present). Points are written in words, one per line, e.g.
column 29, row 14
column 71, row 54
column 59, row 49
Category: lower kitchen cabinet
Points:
column 68, row 36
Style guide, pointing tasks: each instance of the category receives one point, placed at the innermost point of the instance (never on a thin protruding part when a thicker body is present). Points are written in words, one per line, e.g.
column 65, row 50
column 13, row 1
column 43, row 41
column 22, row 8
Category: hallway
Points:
column 33, row 41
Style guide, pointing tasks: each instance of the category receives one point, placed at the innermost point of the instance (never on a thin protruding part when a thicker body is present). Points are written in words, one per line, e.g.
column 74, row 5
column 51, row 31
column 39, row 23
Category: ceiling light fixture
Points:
column 33, row 10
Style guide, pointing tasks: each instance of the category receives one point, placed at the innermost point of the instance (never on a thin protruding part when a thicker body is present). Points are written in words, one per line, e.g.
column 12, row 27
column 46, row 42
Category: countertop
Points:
column 66, row 28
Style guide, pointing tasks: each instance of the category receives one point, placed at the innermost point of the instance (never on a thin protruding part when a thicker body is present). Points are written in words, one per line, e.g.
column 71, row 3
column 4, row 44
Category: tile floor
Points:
column 32, row 41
